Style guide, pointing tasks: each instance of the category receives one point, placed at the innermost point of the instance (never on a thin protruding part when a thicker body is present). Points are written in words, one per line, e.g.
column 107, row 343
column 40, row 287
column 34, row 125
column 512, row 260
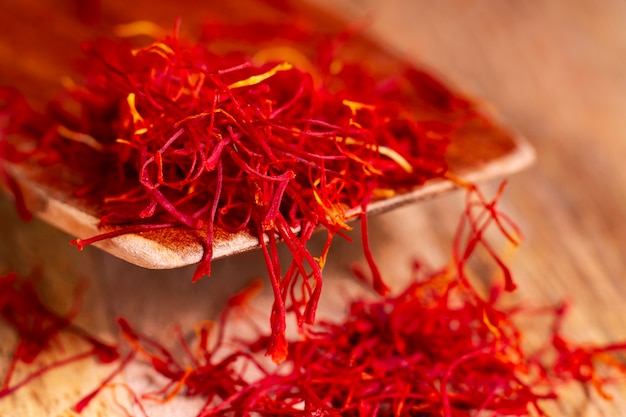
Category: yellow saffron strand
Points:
column 396, row 157
column 355, row 106
column 334, row 213
column 291, row 55
column 133, row 109
column 80, row 137
column 161, row 47
column 385, row 151
column 256, row 79
column 493, row 329
column 139, row 28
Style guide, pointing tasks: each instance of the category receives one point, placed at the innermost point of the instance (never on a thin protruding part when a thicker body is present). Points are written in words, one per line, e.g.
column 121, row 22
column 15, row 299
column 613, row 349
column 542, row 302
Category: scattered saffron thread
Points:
column 437, row 348
column 37, row 327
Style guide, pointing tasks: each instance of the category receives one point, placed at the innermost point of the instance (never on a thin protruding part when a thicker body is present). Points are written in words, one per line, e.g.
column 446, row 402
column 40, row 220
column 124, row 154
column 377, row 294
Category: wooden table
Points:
column 555, row 70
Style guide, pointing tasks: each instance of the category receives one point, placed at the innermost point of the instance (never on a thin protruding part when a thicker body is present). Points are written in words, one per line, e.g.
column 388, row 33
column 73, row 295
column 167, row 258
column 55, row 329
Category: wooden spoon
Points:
column 479, row 152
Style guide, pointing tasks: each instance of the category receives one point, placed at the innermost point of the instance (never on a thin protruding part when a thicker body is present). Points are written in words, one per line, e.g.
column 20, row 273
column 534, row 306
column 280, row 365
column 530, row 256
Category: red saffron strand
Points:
column 37, row 326
column 84, row 402
column 205, row 264
column 378, row 284
column 436, row 348
column 200, row 140
column 8, row 389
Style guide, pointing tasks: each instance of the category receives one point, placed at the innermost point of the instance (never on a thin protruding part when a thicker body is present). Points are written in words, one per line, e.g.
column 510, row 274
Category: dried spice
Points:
column 37, row 326
column 278, row 145
column 438, row 348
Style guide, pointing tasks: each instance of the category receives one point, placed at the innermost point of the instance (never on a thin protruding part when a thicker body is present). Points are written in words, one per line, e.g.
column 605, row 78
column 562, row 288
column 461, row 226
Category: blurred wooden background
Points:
column 555, row 70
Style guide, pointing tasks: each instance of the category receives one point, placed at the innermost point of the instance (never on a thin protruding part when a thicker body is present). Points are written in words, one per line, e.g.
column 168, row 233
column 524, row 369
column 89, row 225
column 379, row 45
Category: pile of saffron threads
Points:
column 438, row 348
column 174, row 135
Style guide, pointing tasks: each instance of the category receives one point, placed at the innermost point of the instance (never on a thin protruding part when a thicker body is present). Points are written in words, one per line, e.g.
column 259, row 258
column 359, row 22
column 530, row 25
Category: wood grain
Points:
column 554, row 70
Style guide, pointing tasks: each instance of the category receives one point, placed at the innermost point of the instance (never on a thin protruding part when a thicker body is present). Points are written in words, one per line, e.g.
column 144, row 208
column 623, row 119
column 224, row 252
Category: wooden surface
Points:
column 555, row 70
